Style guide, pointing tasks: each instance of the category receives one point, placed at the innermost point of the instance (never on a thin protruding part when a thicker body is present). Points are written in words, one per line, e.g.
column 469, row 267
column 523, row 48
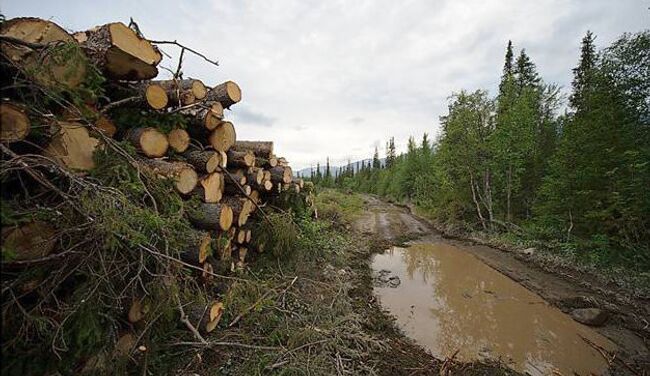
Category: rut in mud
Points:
column 485, row 304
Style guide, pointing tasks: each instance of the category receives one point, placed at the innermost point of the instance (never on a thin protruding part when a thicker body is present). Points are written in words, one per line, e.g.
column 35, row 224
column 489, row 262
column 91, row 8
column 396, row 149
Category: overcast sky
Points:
column 336, row 78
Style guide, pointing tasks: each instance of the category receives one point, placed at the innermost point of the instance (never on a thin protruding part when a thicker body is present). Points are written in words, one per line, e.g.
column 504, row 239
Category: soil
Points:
column 563, row 288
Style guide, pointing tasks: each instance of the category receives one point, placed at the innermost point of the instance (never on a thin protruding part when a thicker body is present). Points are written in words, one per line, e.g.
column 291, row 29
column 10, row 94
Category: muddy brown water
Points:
column 447, row 300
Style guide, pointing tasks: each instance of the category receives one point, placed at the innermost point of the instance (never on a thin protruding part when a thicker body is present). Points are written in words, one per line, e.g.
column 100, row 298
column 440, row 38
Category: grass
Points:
column 338, row 206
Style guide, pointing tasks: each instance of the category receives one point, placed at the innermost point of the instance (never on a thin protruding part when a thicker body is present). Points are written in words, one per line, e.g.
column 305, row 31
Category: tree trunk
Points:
column 30, row 241
column 239, row 175
column 148, row 141
column 72, row 146
column 223, row 136
column 255, row 176
column 281, row 174
column 197, row 248
column 207, row 116
column 52, row 67
column 179, row 140
column 262, row 149
column 185, row 178
column 211, row 216
column 154, row 95
column 227, row 93
column 210, row 188
column 120, row 53
column 267, row 163
column 241, row 208
column 206, row 160
column 14, row 122
column 205, row 318
column 183, row 92
column 232, row 189
column 240, row 159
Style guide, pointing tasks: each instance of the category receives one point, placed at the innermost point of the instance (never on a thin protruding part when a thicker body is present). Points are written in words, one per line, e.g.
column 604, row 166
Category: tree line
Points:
column 574, row 170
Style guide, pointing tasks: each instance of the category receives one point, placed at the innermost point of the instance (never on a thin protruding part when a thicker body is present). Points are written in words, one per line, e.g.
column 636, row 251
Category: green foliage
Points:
column 127, row 118
column 337, row 207
column 578, row 179
column 277, row 232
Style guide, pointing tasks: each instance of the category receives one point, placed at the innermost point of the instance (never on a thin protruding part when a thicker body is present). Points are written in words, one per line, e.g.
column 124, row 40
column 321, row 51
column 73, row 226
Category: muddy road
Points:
column 481, row 303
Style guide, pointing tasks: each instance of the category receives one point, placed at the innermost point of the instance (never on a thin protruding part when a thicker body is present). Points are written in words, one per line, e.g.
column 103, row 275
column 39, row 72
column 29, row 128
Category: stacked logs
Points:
column 228, row 179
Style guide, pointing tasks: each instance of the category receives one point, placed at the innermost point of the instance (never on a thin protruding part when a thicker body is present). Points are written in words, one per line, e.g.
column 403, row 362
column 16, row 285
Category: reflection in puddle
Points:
column 448, row 300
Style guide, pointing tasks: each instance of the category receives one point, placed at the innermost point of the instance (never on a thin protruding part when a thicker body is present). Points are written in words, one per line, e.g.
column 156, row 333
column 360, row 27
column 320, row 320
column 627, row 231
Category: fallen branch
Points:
column 187, row 322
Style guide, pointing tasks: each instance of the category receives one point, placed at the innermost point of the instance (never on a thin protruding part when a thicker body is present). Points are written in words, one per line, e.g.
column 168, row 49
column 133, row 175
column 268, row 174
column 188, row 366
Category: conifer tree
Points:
column 376, row 164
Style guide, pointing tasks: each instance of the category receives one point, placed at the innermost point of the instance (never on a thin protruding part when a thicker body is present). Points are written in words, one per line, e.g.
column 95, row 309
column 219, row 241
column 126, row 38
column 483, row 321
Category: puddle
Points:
column 448, row 300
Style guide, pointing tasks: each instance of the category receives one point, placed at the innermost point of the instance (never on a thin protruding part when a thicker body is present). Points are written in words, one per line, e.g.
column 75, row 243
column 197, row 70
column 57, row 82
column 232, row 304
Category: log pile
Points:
column 221, row 180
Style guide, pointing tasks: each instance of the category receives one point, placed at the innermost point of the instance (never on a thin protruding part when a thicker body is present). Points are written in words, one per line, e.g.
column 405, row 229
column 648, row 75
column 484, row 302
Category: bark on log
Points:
column 281, row 174
column 185, row 178
column 206, row 318
column 29, row 241
column 210, row 188
column 211, row 216
column 120, row 53
column 53, row 67
column 240, row 159
column 151, row 94
column 239, row 175
column 223, row 136
column 227, row 93
column 267, row 163
column 14, row 122
column 179, row 140
column 241, row 208
column 148, row 141
column 72, row 146
column 183, row 92
column 206, row 116
column 299, row 182
column 255, row 176
column 233, row 190
column 206, row 160
column 198, row 248
column 263, row 149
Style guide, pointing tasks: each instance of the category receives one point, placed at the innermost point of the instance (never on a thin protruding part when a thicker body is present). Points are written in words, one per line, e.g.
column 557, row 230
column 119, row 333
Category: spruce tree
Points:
column 525, row 72
column 507, row 75
column 583, row 74
column 376, row 164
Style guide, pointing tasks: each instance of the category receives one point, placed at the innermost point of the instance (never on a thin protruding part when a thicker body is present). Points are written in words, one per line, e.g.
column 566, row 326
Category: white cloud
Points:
column 339, row 77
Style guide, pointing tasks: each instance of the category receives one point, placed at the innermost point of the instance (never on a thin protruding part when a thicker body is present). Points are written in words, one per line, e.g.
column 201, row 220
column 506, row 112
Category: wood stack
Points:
column 223, row 180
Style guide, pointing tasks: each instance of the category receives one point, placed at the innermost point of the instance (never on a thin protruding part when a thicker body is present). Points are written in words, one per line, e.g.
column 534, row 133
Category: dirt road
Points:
column 627, row 325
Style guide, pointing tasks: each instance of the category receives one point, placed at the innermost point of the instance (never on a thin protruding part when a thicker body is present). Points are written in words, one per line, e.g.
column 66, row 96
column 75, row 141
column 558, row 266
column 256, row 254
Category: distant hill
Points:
column 306, row 172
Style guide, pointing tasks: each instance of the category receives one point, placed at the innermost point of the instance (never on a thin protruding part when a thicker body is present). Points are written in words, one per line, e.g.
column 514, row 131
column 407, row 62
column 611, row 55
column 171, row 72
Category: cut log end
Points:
column 225, row 218
column 179, row 140
column 187, row 180
column 223, row 136
column 156, row 97
column 198, row 89
column 149, row 141
column 73, row 147
column 14, row 123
